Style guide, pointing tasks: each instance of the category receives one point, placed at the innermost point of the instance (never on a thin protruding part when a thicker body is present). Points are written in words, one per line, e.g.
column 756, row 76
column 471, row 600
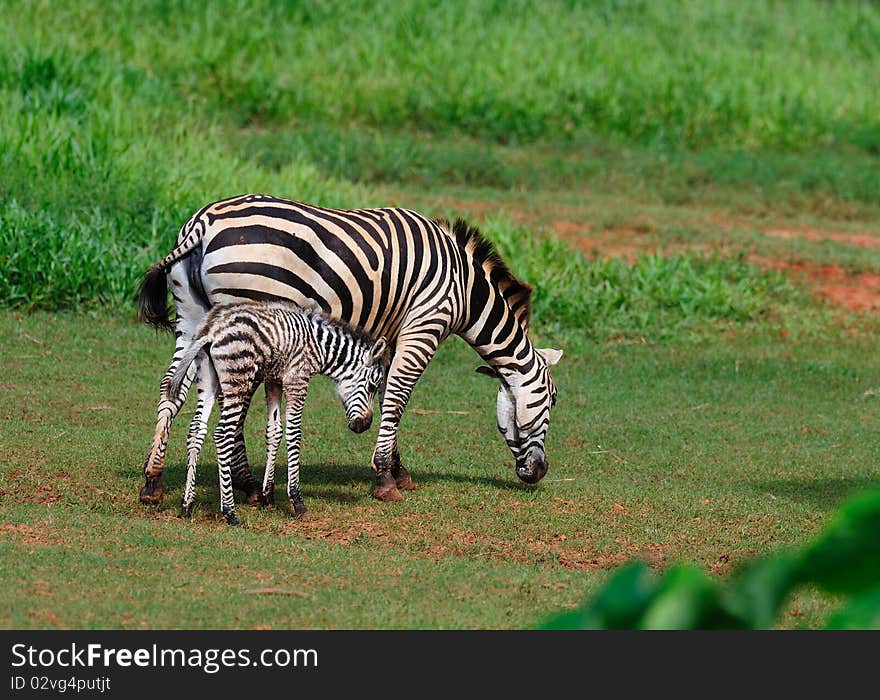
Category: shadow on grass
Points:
column 329, row 481
column 828, row 490
column 321, row 480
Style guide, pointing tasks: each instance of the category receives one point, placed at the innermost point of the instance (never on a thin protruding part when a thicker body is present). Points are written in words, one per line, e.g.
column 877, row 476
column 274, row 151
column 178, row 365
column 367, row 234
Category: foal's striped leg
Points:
column 295, row 394
column 198, row 428
column 242, row 477
column 234, row 402
column 273, row 439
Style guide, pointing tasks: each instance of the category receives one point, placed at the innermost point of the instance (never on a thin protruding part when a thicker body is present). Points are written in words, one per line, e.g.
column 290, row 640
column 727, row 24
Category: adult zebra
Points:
column 390, row 272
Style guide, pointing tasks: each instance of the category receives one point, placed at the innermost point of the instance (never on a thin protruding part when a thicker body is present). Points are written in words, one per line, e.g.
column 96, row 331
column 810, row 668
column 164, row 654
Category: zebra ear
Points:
column 488, row 371
column 378, row 350
column 550, row 355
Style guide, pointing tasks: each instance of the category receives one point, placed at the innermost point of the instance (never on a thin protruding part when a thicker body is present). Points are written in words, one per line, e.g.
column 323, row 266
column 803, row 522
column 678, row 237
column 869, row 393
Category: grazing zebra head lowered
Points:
column 248, row 343
column 523, row 413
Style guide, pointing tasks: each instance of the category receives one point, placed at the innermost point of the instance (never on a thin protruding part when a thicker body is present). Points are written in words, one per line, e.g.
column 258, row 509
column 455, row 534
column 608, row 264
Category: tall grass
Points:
column 100, row 168
column 119, row 119
column 727, row 72
column 671, row 175
column 654, row 296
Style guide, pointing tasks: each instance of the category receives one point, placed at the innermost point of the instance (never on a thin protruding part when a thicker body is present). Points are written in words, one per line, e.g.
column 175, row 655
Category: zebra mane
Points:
column 517, row 293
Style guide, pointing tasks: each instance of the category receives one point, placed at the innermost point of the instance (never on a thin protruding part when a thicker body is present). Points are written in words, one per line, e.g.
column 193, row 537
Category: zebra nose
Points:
column 360, row 424
column 533, row 468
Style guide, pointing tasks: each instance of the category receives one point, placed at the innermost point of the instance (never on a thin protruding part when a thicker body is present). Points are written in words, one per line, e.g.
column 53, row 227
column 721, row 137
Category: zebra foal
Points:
column 243, row 344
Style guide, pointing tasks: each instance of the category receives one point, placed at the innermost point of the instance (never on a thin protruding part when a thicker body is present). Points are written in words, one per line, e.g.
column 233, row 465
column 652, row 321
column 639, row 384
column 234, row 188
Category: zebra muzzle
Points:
column 533, row 468
column 360, row 424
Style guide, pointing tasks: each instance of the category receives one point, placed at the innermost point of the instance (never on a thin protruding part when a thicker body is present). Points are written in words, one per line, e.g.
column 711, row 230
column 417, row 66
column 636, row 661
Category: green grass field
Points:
column 714, row 452
column 692, row 188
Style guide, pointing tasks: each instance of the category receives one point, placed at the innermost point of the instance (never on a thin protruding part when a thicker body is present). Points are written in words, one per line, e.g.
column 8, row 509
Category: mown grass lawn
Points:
column 713, row 451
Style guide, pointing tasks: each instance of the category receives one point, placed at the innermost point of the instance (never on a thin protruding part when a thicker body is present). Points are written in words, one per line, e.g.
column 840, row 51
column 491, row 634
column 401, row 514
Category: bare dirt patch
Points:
column 862, row 240
column 627, row 243
column 28, row 535
column 44, row 618
column 359, row 528
column 855, row 291
column 620, row 243
column 27, row 486
column 426, row 538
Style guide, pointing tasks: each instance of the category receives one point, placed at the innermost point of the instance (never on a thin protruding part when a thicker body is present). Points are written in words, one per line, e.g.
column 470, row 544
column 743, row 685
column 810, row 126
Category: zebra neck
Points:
column 496, row 333
column 514, row 365
column 513, row 356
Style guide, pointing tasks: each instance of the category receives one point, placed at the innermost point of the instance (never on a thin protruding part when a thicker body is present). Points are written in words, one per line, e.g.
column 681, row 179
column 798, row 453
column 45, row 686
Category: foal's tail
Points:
column 180, row 373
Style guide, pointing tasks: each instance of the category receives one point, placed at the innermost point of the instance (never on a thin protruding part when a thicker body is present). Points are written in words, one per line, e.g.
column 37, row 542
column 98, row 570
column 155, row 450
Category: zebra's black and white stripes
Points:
column 389, row 271
column 243, row 344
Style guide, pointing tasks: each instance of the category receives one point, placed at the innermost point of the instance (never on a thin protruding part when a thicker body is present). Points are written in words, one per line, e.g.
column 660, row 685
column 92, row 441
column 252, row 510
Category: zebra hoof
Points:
column 267, row 499
column 153, row 491
column 186, row 511
column 402, row 479
column 231, row 518
column 386, row 488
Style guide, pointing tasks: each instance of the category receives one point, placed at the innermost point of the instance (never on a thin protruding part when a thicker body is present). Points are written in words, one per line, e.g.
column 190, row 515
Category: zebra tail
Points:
column 180, row 373
column 153, row 299
column 153, row 293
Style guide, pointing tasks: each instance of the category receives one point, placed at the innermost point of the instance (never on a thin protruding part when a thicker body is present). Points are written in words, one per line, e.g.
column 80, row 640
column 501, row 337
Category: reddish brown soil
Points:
column 862, row 240
column 624, row 243
column 855, row 291
column 28, row 535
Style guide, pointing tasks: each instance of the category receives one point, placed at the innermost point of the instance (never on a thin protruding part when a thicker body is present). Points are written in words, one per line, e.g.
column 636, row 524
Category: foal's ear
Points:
column 378, row 350
column 488, row 371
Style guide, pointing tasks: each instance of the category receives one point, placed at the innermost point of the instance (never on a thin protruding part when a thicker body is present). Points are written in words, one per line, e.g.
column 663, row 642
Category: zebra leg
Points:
column 198, row 428
column 295, row 393
column 190, row 312
column 402, row 478
column 273, row 439
column 414, row 350
column 154, row 489
column 242, row 477
column 234, row 401
column 224, row 437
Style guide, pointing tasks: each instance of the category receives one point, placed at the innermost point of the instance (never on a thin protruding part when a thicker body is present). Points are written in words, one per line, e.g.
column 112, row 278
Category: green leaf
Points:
column 846, row 556
column 862, row 613
column 759, row 591
column 686, row 599
column 619, row 604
